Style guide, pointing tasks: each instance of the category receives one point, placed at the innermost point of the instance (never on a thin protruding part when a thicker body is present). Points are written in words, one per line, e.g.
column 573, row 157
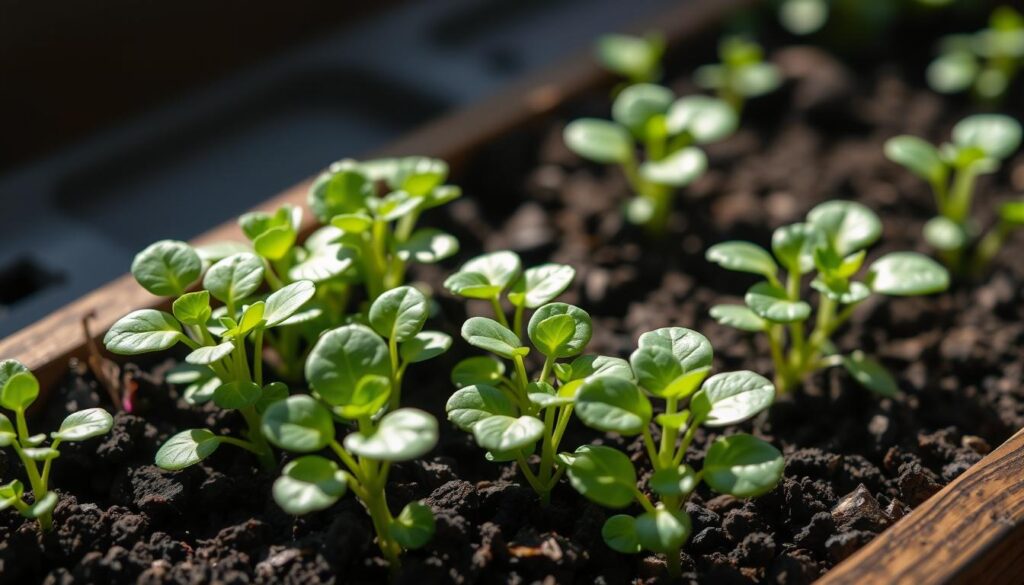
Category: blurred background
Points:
column 127, row 121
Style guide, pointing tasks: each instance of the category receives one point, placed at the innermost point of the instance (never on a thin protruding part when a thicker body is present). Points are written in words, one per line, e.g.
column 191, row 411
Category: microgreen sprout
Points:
column 509, row 415
column 376, row 235
column 667, row 131
column 672, row 365
column 218, row 368
column 743, row 74
column 18, row 390
column 985, row 62
column 830, row 246
column 979, row 144
column 638, row 59
column 355, row 374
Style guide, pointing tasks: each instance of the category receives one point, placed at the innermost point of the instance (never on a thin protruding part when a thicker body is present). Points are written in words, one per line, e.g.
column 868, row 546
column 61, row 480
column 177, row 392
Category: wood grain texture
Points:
column 972, row 531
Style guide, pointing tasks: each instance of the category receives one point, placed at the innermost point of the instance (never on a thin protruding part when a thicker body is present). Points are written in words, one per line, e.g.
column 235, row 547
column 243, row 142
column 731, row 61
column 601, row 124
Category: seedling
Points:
column 830, row 247
column 743, row 74
column 638, row 59
column 373, row 235
column 985, row 62
column 218, row 367
column 671, row 364
column 979, row 144
column 509, row 415
column 355, row 376
column 667, row 130
column 18, row 390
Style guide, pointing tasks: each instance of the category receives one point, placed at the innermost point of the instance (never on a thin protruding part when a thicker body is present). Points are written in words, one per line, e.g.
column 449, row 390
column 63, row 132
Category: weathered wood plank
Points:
column 972, row 531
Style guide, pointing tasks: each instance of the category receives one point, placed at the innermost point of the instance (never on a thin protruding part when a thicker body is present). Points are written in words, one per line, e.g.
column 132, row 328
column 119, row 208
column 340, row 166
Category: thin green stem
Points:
column 396, row 376
column 643, row 500
column 517, row 320
column 499, row 313
column 652, row 451
column 257, row 356
column 668, row 433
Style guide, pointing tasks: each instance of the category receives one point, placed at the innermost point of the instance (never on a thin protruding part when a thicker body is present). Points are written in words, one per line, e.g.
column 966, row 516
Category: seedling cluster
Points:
column 830, row 247
column 984, row 63
column 742, row 73
column 18, row 390
column 979, row 145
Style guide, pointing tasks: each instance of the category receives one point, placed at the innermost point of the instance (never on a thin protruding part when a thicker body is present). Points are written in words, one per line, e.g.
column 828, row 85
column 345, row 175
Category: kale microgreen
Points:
column 218, row 367
column 18, row 390
column 638, row 59
column 831, row 247
column 672, row 365
column 985, row 62
column 355, row 374
column 375, row 234
column 979, row 144
column 667, row 130
column 742, row 74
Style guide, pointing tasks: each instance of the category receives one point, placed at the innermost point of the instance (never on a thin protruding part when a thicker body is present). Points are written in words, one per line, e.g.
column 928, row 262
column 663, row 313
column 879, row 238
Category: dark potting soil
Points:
column 854, row 463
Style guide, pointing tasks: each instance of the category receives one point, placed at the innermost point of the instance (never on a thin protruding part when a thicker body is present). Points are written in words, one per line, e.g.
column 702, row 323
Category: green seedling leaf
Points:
column 692, row 349
column 395, row 206
column 638, row 103
column 427, row 246
column 271, row 393
column 343, row 189
column 772, row 303
column 236, row 395
column 44, row 506
column 285, row 302
column 402, row 435
column 907, row 274
column 742, row 466
column 663, row 530
column 167, row 268
column 84, row 424
column 598, row 140
column 477, row 370
column 352, row 223
column 489, row 335
column 678, row 169
column 705, row 119
column 41, row 453
column 275, row 243
column 743, row 257
column 322, row 263
column 738, row 316
column 341, row 358
column 471, row 285
column 252, row 317
column 544, row 395
column 619, row 533
column 585, row 366
column 7, row 433
column 471, row 404
column 614, row 405
column 1012, row 213
column 633, row 57
column 674, row 482
column 997, row 135
column 849, row 226
column 210, row 354
column 841, row 291
column 369, row 396
column 414, row 525
column 10, row 494
column 917, row 155
column 500, row 433
column 871, row 374
column 399, row 313
column 601, row 474
column 686, row 384
column 945, row 234
column 299, row 424
column 953, row 72
column 803, row 17
column 541, row 284
column 20, row 391
column 418, row 175
column 732, row 397
column 234, row 278
column 560, row 330
column 794, row 246
column 498, row 268
column 9, row 368
column 424, row 345
column 193, row 308
column 309, row 484
column 655, row 368
column 143, row 331
column 186, row 448
column 757, row 79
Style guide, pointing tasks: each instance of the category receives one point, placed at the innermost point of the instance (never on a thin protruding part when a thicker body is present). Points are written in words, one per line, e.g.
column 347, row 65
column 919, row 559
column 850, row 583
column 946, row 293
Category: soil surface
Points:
column 854, row 463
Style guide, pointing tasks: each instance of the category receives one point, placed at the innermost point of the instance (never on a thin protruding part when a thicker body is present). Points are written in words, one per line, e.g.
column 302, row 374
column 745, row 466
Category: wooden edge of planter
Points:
column 46, row 346
column 970, row 531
